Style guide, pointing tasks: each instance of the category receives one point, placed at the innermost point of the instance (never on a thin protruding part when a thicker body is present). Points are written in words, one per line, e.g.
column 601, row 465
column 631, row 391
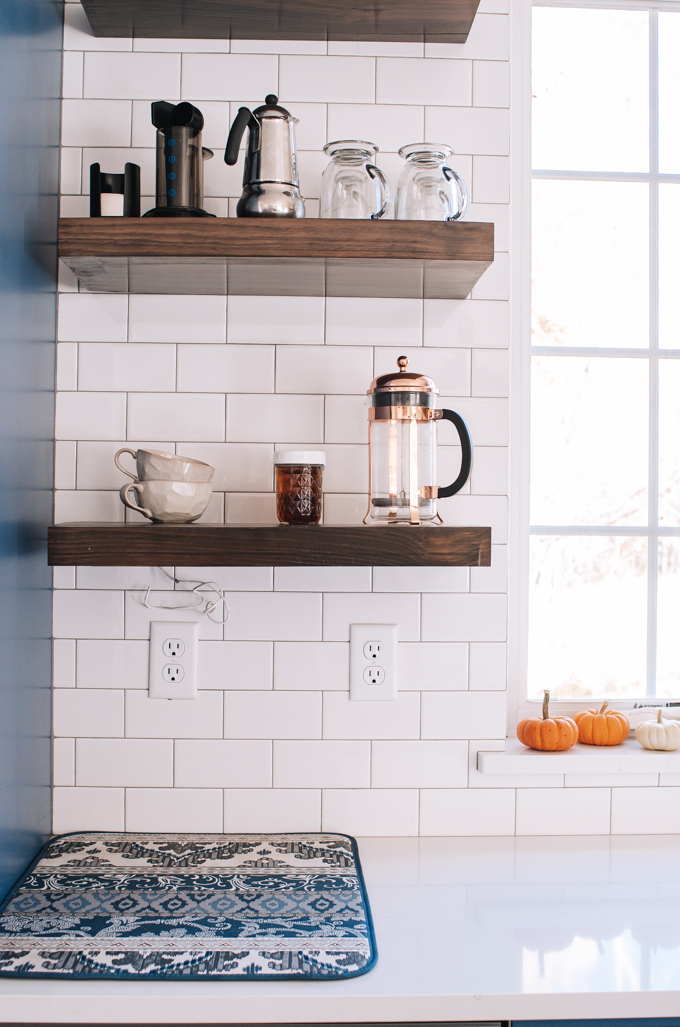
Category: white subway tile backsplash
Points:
column 92, row 317
column 327, row 79
column 488, row 40
column 239, row 467
column 71, row 505
column 389, row 126
column 223, row 764
column 112, row 664
column 235, row 665
column 126, row 367
column 346, row 469
column 493, row 578
column 63, row 577
column 251, row 508
column 274, row 616
column 490, row 471
column 324, row 369
column 65, row 465
column 186, row 417
column 490, row 372
column 128, row 76
column 322, row 764
column 466, row 811
column 174, row 809
column 497, row 214
column 474, row 130
column 488, row 666
column 173, row 718
column 272, row 809
column 495, row 282
column 63, row 761
column 311, row 666
column 340, row 610
column 275, row 714
column 121, row 762
column 344, row 509
column 178, row 319
column 297, row 419
column 373, row 322
column 361, row 48
column 276, row 319
column 464, row 618
column 138, row 616
column 450, row 368
column 487, row 419
column 435, row 666
column 225, row 76
column 64, row 663
column 88, row 712
column 491, row 84
column 346, row 419
column 67, row 366
column 473, row 323
column 419, row 764
column 490, row 179
column 371, row 719
column 407, row 80
column 96, row 123
column 322, row 579
column 477, row 511
column 463, row 715
column 225, row 369
column 84, row 614
column 71, row 169
column 548, row 811
column 420, row 579
column 88, row 809
column 645, row 810
column 123, row 577
column 369, row 811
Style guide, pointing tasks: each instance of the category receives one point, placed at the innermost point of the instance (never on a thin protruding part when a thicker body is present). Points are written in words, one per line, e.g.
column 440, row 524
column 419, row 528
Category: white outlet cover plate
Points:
column 359, row 635
column 163, row 632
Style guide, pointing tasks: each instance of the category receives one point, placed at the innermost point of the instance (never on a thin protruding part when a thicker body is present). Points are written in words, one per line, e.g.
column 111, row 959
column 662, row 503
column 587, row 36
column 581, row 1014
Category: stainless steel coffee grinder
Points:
column 179, row 161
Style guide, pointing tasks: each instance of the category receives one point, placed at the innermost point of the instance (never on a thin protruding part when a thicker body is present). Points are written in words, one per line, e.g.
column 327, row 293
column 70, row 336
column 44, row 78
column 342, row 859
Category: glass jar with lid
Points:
column 299, row 480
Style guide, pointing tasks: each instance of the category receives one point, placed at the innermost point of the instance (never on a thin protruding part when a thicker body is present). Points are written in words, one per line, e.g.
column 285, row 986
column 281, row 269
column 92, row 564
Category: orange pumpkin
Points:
column 602, row 727
column 547, row 732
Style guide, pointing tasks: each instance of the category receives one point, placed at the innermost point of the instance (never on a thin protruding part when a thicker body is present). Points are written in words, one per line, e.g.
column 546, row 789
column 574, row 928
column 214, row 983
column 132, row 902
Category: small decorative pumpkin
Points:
column 549, row 733
column 603, row 726
column 659, row 734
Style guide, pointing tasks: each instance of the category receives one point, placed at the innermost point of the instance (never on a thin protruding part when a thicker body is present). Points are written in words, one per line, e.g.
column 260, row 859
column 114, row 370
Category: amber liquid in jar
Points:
column 298, row 494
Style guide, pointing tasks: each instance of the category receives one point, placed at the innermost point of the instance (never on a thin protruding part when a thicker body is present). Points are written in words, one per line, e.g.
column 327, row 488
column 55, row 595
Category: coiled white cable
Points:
column 198, row 586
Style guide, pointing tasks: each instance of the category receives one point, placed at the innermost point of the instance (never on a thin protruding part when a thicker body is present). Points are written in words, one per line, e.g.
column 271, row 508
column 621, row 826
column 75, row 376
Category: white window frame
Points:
column 521, row 351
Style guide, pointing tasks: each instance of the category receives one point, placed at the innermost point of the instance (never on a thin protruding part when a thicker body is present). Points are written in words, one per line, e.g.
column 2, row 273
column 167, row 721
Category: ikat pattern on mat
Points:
column 190, row 906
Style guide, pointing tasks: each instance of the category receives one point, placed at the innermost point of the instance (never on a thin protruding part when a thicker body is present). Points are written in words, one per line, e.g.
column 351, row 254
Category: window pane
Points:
column 669, row 92
column 590, row 88
column 590, row 264
column 589, row 433
column 668, row 647
column 669, row 266
column 669, row 443
column 588, row 600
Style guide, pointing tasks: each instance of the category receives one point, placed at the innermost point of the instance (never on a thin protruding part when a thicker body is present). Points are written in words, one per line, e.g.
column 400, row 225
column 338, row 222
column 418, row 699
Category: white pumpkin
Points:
column 659, row 734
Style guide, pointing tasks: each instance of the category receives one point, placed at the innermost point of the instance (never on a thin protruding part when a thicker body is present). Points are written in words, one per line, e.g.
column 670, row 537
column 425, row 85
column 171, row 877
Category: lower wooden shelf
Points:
column 245, row 545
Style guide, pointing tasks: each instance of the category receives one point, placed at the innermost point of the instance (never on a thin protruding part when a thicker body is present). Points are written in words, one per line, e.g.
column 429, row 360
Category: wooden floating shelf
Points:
column 297, row 257
column 429, row 21
column 240, row 545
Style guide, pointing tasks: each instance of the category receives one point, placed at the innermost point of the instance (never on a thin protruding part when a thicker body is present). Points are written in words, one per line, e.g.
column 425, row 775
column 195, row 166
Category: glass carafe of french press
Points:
column 402, row 451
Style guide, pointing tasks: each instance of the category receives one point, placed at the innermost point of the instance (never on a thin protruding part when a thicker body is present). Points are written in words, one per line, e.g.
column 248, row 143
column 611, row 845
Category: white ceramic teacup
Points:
column 152, row 465
column 170, row 502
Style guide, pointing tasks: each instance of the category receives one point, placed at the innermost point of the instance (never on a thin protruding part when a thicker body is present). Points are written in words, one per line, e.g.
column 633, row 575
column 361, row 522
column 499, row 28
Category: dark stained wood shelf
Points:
column 241, row 545
column 429, row 21
column 297, row 257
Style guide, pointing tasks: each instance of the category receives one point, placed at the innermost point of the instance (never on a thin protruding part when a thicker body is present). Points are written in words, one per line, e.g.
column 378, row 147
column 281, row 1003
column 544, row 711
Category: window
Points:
column 604, row 580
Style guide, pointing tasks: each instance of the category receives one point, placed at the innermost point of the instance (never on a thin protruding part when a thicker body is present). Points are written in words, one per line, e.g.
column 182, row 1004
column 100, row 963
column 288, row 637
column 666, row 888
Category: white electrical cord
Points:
column 198, row 587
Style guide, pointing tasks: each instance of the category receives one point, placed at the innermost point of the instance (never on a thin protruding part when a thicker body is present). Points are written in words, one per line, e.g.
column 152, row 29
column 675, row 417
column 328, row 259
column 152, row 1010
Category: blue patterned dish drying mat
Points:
column 191, row 906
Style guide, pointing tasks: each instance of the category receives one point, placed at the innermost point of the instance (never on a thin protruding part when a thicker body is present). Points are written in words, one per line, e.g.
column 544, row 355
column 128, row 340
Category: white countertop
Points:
column 467, row 929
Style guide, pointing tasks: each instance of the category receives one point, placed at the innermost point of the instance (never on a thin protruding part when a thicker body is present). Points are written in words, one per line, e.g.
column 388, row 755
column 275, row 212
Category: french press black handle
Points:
column 466, row 446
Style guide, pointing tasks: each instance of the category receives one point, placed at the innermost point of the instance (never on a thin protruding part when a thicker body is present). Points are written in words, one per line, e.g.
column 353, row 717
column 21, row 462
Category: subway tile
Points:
column 495, row 282
column 112, row 664
column 346, row 469
column 85, row 614
column 487, row 419
column 275, row 714
column 371, row 719
column 64, row 761
column 488, row 41
column 435, row 666
column 490, row 179
column 225, row 369
column 92, row 317
column 224, row 76
column 96, row 468
column 322, row 764
column 276, row 319
column 477, row 511
column 324, row 369
column 88, row 809
column 491, row 84
column 93, row 713
column 142, row 44
column 493, row 578
column 346, row 419
column 327, row 79
column 253, row 508
column 322, row 579
column 414, row 81
column 311, row 666
column 65, row 465
column 360, row 48
column 64, row 663
column 490, row 372
column 450, row 368
column 173, row 718
column 189, row 417
column 344, row 509
column 490, row 471
column 278, row 46
column 126, row 367
column 138, row 617
column 71, row 169
column 463, row 715
column 231, row 579
column 78, row 34
column 239, row 467
column 178, row 319
column 295, row 418
column 121, row 762
column 645, row 810
column 497, row 214
column 123, row 578
column 372, row 812
column 474, row 323
column 473, row 130
column 488, row 666
column 464, row 618
column 223, row 764
column 420, row 579
column 237, row 665
column 560, row 811
column 67, row 366
column 275, row 616
column 419, row 764
column 386, row 125
column 73, row 207
column 63, row 577
column 96, row 123
column 310, row 131
column 341, row 610
column 464, row 812
column 174, row 809
column 272, row 809
column 609, row 780
column 373, row 322
column 71, row 505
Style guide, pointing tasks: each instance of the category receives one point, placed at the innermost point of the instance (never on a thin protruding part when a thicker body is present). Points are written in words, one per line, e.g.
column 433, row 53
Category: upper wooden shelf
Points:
column 429, row 21
column 241, row 545
column 297, row 257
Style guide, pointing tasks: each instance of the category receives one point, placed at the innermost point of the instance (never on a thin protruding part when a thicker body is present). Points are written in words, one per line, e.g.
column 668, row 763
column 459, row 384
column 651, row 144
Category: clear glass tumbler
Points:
column 351, row 185
column 428, row 189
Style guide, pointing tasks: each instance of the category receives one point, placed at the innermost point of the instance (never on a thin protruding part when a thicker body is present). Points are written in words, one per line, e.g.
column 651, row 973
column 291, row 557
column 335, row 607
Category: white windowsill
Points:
column 627, row 758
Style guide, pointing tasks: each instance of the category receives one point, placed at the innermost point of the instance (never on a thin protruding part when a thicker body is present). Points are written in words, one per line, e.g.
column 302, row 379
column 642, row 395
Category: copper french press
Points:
column 402, row 449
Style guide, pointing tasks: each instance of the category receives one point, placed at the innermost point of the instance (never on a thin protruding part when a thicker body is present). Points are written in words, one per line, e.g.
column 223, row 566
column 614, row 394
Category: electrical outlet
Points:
column 373, row 662
column 173, row 660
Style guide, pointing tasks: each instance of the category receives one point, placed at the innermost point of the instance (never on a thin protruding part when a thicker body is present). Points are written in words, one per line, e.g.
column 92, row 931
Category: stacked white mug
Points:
column 170, row 489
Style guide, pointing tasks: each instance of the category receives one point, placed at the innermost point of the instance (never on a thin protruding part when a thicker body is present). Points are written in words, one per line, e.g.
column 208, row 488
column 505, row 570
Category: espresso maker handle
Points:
column 243, row 120
column 466, row 446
